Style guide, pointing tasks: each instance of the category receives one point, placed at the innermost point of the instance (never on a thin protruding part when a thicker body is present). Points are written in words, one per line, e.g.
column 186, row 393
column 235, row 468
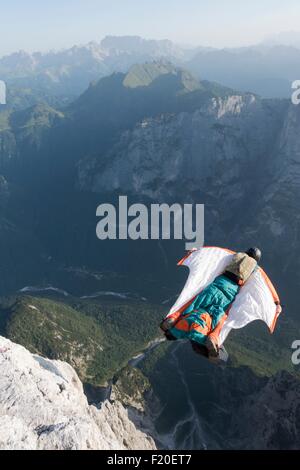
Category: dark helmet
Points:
column 255, row 253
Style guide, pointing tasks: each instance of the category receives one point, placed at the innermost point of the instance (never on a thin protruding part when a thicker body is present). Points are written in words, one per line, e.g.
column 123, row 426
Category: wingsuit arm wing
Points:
column 270, row 286
column 275, row 298
column 255, row 301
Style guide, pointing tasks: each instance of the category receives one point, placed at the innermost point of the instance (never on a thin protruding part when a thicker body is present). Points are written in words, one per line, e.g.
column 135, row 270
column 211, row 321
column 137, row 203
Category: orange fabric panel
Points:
column 216, row 332
column 200, row 329
column 175, row 315
column 205, row 329
column 207, row 318
column 272, row 328
column 182, row 325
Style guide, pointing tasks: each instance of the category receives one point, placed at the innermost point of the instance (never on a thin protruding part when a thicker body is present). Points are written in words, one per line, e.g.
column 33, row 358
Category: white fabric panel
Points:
column 253, row 302
column 204, row 265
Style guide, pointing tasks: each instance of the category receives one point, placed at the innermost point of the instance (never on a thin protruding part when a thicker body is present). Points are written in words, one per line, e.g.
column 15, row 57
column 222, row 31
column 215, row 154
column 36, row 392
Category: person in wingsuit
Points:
column 203, row 319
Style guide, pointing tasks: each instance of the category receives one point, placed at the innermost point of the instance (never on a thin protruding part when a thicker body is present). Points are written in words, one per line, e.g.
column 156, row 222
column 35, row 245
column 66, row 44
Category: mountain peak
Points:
column 141, row 75
column 144, row 74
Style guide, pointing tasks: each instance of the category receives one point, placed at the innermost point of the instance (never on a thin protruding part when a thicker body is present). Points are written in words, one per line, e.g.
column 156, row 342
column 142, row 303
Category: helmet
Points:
column 255, row 253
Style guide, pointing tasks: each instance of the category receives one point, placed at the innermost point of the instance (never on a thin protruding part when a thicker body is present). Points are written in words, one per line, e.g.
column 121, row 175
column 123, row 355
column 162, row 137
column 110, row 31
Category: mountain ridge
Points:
column 58, row 77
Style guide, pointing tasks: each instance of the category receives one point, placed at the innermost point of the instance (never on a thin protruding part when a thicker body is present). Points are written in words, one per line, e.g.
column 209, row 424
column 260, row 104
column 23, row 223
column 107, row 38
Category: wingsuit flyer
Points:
column 150, row 232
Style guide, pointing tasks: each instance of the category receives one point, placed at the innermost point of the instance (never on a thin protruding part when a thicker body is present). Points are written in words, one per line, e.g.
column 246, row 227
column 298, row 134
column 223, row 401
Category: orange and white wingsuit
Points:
column 257, row 298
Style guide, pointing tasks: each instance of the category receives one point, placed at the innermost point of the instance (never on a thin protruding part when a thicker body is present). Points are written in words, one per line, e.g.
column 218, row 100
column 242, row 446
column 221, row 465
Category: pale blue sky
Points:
column 53, row 24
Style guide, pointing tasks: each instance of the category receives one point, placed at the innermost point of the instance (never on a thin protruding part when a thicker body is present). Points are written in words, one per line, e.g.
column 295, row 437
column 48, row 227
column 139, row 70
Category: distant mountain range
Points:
column 59, row 77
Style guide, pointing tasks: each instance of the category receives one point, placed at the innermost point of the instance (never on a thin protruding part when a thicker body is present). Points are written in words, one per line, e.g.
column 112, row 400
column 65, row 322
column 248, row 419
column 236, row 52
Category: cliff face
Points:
column 253, row 412
column 42, row 406
column 270, row 416
column 222, row 143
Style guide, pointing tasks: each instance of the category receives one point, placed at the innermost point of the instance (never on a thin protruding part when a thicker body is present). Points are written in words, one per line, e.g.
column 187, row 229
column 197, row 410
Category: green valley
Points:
column 96, row 337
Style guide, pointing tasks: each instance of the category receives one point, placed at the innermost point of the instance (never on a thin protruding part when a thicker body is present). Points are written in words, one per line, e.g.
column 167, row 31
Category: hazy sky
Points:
column 53, row 24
